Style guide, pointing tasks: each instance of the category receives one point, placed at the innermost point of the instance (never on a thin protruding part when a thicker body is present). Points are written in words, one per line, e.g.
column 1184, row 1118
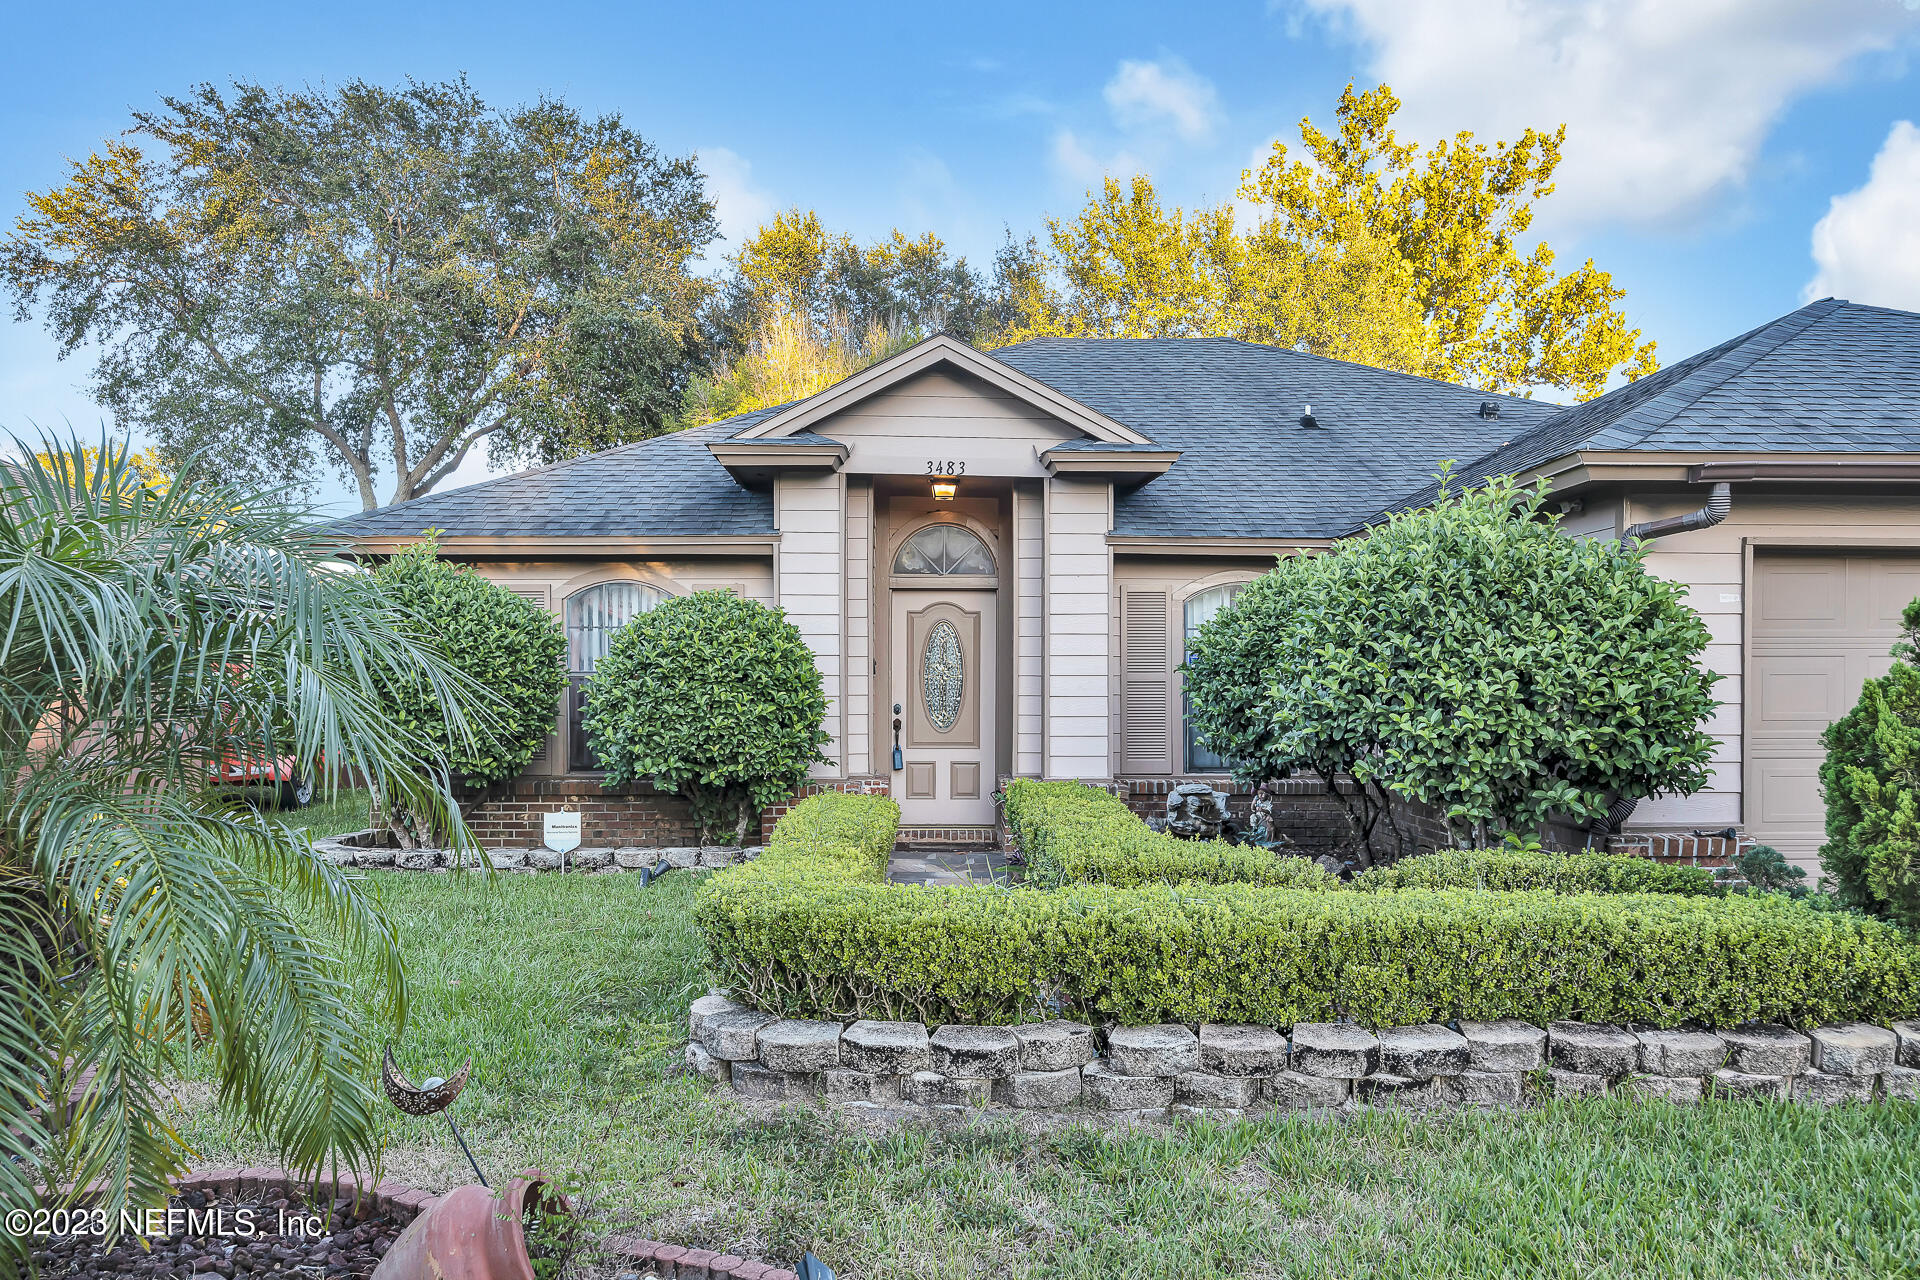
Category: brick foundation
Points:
column 1682, row 849
column 612, row 817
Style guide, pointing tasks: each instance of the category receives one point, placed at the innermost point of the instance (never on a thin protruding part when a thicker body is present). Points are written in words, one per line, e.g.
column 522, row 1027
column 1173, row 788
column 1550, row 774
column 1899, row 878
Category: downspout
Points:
column 1719, row 503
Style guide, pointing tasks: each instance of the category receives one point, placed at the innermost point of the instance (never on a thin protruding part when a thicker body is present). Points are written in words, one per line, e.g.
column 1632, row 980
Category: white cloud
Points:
column 1148, row 95
column 739, row 206
column 1867, row 247
column 1076, row 164
column 1667, row 102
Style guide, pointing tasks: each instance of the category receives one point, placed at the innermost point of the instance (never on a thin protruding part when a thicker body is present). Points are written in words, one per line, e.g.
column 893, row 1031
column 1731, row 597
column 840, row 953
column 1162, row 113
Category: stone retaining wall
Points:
column 1214, row 1069
column 358, row 850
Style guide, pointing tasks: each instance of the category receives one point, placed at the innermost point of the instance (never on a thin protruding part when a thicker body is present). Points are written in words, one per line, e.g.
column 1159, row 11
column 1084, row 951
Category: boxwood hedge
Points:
column 1537, row 869
column 813, row 929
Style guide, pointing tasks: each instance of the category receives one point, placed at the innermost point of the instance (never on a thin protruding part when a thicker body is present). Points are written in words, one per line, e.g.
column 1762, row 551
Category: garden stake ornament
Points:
column 434, row 1094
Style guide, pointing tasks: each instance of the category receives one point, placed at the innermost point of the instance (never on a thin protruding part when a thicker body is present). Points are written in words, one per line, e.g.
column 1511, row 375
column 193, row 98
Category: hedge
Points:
column 812, row 929
column 1537, row 869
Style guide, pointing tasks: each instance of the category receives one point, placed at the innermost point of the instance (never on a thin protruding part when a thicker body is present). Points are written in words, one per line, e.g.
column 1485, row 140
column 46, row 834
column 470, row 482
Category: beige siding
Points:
column 1078, row 650
column 810, row 513
column 1029, row 631
column 859, row 628
column 939, row 418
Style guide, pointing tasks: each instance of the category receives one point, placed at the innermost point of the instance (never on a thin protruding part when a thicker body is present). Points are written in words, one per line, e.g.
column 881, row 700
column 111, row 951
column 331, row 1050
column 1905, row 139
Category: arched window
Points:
column 944, row 550
column 1201, row 606
column 593, row 616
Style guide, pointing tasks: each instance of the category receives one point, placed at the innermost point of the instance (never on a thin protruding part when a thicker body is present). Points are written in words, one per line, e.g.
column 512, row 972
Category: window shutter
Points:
column 1146, row 729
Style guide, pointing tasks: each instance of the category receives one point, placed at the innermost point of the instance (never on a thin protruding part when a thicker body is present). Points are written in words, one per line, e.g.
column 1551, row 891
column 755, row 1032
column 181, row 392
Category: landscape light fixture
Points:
column 944, row 487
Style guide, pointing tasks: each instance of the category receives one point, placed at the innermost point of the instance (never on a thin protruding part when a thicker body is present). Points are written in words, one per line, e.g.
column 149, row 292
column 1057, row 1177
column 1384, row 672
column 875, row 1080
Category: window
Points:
column 1201, row 606
column 944, row 550
column 593, row 616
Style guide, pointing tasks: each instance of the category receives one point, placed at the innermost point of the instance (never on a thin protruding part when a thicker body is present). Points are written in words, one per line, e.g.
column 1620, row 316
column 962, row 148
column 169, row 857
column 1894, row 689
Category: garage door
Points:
column 1822, row 624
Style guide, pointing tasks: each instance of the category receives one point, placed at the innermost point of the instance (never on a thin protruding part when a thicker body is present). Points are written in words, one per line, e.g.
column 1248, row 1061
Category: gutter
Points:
column 1719, row 503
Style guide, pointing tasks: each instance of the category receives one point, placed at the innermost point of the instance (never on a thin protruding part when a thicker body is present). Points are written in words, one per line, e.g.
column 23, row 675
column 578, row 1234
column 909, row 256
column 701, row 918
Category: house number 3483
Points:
column 948, row 468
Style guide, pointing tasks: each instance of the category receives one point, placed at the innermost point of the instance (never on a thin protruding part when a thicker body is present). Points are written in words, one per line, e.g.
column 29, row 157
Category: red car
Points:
column 292, row 790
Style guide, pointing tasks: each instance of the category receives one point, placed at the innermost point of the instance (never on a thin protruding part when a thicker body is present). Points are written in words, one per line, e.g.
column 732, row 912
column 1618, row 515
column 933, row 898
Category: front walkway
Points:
column 949, row 866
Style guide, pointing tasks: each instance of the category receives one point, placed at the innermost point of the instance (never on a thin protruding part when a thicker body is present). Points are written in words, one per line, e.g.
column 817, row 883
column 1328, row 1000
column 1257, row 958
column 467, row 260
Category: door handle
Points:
column 898, row 761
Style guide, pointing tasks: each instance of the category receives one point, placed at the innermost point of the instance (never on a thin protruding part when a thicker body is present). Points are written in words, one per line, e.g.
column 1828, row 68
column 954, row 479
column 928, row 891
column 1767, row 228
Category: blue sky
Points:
column 1713, row 145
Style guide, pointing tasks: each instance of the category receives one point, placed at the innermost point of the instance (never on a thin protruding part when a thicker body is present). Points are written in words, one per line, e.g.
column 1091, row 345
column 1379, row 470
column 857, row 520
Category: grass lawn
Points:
column 570, row 994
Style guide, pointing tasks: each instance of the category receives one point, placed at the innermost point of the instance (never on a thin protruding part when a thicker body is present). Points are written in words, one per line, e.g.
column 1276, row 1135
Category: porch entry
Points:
column 940, row 712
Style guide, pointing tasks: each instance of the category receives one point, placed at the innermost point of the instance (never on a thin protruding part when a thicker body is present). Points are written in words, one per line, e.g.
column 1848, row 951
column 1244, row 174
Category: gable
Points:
column 945, row 420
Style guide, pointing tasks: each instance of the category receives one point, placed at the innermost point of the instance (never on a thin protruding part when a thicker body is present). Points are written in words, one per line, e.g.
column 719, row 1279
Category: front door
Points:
column 944, row 679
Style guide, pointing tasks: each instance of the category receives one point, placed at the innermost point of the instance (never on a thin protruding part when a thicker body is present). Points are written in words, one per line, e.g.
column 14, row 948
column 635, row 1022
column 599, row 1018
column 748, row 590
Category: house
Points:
column 996, row 556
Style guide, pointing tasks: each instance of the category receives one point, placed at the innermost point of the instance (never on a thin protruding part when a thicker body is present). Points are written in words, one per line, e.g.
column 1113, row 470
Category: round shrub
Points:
column 1871, row 778
column 510, row 647
column 713, row 697
column 1468, row 656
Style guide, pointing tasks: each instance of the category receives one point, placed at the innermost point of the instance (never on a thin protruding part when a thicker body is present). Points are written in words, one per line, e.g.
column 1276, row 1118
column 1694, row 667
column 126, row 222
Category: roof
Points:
column 1248, row 468
column 1832, row 377
column 663, row 487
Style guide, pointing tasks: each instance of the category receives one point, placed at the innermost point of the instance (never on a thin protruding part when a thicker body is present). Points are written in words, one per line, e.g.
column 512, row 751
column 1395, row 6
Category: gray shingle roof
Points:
column 667, row 486
column 1832, row 377
column 1247, row 467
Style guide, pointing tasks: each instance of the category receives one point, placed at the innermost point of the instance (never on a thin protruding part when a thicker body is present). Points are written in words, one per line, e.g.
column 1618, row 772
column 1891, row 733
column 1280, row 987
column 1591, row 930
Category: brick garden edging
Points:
column 659, row 1261
column 1229, row 1070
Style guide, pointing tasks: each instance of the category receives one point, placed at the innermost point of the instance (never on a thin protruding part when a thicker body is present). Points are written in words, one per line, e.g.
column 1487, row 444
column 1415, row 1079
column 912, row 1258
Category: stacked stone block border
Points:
column 1212, row 1069
column 361, row 850
column 653, row 1259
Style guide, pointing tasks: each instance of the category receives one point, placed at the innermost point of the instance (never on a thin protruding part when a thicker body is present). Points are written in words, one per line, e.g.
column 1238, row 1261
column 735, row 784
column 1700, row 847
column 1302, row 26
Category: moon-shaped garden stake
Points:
column 433, row 1095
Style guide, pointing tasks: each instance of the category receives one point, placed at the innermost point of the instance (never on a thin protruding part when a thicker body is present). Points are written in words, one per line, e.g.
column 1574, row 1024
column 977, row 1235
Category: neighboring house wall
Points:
column 1078, row 653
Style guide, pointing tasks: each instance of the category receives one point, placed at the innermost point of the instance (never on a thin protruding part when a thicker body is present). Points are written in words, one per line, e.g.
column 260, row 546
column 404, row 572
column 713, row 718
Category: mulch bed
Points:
column 234, row 1237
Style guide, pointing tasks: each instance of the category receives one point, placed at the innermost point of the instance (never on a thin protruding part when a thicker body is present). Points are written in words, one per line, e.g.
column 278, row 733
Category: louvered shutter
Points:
column 540, row 597
column 1146, row 727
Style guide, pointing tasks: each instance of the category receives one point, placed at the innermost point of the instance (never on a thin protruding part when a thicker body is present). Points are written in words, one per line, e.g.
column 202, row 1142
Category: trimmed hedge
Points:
column 811, row 929
column 1071, row 833
column 1537, row 869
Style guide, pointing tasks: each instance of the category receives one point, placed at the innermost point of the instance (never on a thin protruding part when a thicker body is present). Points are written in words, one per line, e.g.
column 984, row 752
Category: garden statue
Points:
column 1195, row 811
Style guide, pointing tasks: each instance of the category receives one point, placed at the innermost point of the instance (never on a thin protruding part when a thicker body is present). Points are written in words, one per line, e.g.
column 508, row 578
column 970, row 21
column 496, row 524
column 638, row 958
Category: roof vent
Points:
column 1488, row 409
column 1306, row 416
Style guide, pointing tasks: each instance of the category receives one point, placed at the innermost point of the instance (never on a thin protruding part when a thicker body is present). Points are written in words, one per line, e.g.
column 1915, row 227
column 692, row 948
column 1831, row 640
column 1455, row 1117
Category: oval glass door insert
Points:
column 943, row 675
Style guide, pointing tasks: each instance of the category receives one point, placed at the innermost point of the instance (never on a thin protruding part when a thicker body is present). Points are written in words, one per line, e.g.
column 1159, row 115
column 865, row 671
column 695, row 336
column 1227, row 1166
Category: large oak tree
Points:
column 376, row 280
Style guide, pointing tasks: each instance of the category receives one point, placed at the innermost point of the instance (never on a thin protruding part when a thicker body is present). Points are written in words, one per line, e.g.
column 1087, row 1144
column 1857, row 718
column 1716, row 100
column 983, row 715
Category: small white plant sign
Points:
column 563, row 831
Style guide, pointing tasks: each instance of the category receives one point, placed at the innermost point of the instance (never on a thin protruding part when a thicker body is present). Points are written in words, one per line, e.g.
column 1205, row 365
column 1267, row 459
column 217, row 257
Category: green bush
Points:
column 1871, row 778
column 510, row 646
column 1075, row 834
column 711, row 696
column 1468, row 656
column 813, row 930
column 1509, row 869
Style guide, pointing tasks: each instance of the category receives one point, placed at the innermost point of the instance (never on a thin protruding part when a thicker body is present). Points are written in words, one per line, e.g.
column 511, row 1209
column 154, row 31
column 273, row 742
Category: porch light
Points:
column 944, row 487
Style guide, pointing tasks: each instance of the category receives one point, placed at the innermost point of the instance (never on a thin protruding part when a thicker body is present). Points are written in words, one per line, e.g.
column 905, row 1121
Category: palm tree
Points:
column 147, row 634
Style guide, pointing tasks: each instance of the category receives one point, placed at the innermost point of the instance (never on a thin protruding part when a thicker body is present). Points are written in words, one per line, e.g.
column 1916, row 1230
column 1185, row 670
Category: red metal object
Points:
column 472, row 1234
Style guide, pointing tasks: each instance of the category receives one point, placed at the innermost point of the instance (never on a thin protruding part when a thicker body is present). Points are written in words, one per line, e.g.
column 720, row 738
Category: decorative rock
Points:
column 932, row 1089
column 755, row 1081
column 420, row 859
column 1204, row 1089
column 734, row 1036
column 705, row 1065
column 890, row 1048
column 843, row 1085
column 1768, row 1050
column 543, row 859
column 1422, row 1052
column 590, row 859
column 1900, row 1082
column 1484, row 1088
column 507, row 859
column 1337, row 1050
column 1853, row 1049
column 1385, row 1087
column 794, row 1044
column 681, row 859
column 633, row 858
column 1297, row 1091
column 373, row 857
column 1575, row 1084
column 1058, row 1045
column 1825, row 1089
column 718, row 855
column 1907, row 1054
column 1728, row 1083
column 1504, row 1046
column 1680, row 1053
column 705, row 1007
column 1593, row 1049
column 1664, row 1088
column 1241, row 1050
column 975, row 1051
column 1040, row 1089
column 1164, row 1050
column 1112, row 1091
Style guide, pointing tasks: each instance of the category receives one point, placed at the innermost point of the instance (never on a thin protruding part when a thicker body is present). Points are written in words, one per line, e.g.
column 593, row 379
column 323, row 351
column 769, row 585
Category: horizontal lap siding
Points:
column 811, row 515
column 1077, row 638
column 1029, row 634
column 941, row 417
column 859, row 627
